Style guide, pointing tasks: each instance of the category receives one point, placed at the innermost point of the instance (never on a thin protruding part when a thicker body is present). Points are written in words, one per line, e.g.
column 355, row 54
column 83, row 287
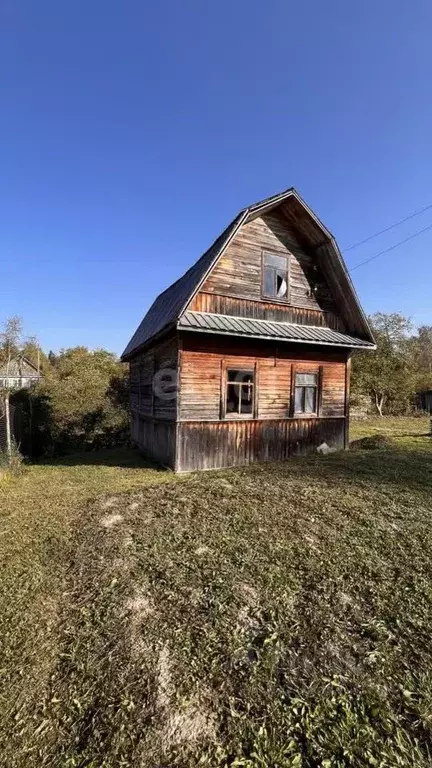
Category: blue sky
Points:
column 132, row 132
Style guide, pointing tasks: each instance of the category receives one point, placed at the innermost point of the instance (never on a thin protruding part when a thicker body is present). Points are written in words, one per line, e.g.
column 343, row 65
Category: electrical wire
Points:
column 391, row 248
column 387, row 229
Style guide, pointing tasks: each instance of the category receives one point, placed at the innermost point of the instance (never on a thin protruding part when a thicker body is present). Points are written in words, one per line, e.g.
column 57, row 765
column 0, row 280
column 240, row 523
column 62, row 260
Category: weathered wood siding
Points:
column 264, row 310
column 165, row 380
column 147, row 370
column 157, row 439
column 213, row 445
column 205, row 441
column 154, row 394
column 201, row 364
column 238, row 273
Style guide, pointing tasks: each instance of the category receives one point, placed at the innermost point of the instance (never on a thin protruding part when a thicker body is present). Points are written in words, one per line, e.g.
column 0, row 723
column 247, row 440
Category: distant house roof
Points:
column 267, row 329
column 19, row 367
column 169, row 306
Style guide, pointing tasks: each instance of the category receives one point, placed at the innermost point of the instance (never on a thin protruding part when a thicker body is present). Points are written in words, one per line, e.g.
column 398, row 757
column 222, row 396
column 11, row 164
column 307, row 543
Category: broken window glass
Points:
column 275, row 279
column 240, row 392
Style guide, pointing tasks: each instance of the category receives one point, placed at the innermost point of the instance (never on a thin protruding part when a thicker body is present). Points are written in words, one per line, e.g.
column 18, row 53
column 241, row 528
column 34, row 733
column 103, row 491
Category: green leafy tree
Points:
column 84, row 395
column 387, row 375
column 32, row 351
column 420, row 350
column 81, row 400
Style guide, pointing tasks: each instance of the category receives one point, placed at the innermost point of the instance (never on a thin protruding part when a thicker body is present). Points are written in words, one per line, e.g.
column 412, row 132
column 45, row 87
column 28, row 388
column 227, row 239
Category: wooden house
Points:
column 19, row 373
column 247, row 356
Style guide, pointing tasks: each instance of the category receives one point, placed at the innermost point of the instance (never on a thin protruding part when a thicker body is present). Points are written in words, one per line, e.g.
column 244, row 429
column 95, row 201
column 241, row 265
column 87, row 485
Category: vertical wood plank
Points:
column 320, row 389
column 256, row 391
column 347, row 400
column 179, row 375
column 292, row 393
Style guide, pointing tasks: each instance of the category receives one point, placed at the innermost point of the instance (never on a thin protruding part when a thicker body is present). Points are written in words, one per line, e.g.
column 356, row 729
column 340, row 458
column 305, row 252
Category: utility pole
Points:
column 8, row 428
column 7, row 410
column 10, row 339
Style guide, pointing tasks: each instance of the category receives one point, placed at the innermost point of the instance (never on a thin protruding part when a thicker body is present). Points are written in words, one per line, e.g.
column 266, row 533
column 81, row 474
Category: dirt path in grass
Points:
column 276, row 615
column 42, row 514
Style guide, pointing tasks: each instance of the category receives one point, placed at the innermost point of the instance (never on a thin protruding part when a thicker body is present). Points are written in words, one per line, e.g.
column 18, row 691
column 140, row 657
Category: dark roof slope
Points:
column 169, row 305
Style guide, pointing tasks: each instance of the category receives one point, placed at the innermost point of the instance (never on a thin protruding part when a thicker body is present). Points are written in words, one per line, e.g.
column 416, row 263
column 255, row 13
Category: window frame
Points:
column 313, row 371
column 285, row 255
column 229, row 415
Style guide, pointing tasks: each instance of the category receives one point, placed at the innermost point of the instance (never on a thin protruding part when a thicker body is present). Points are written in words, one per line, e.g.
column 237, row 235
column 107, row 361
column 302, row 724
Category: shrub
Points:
column 81, row 403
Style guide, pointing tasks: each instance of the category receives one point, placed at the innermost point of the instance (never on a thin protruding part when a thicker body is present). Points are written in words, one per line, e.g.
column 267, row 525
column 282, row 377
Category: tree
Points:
column 84, row 399
column 393, row 327
column 32, row 351
column 420, row 349
column 387, row 375
column 10, row 340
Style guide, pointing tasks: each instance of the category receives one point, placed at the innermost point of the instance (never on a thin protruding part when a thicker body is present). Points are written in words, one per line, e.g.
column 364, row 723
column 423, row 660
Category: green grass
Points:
column 405, row 432
column 277, row 615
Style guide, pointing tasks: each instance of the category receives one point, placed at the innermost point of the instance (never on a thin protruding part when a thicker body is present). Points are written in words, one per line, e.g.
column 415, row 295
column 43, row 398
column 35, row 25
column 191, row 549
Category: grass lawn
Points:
column 277, row 615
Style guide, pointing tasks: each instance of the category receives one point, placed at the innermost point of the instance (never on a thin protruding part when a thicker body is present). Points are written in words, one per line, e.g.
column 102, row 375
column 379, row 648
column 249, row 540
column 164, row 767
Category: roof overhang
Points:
column 167, row 330
column 228, row 325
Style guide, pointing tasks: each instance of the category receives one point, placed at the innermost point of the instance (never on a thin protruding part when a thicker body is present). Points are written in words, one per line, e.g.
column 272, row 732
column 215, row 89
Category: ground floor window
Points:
column 306, row 393
column 239, row 393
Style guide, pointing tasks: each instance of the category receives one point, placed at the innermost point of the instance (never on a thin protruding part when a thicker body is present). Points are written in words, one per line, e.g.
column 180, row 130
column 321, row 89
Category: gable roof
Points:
column 170, row 305
column 19, row 367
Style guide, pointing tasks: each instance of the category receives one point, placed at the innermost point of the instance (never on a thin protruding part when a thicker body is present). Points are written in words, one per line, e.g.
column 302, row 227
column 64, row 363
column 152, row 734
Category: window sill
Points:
column 238, row 417
column 275, row 300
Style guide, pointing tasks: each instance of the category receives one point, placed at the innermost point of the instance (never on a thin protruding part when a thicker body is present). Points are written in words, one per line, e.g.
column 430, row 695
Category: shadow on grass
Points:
column 407, row 469
column 414, row 435
column 390, row 469
column 129, row 458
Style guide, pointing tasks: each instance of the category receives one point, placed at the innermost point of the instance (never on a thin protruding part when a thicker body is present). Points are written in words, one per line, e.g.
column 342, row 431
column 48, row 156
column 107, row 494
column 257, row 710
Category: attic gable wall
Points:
column 223, row 281
column 19, row 367
column 238, row 274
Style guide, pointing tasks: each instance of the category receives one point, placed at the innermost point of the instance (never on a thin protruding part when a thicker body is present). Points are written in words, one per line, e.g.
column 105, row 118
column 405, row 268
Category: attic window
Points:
column 275, row 276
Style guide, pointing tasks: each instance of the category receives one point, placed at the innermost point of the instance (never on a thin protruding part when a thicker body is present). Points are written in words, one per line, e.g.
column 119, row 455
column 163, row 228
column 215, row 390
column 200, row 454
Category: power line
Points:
column 387, row 229
column 391, row 248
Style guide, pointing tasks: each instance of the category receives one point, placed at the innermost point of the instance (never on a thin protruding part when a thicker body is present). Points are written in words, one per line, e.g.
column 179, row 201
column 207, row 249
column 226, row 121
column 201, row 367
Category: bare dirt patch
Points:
column 109, row 521
column 186, row 725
